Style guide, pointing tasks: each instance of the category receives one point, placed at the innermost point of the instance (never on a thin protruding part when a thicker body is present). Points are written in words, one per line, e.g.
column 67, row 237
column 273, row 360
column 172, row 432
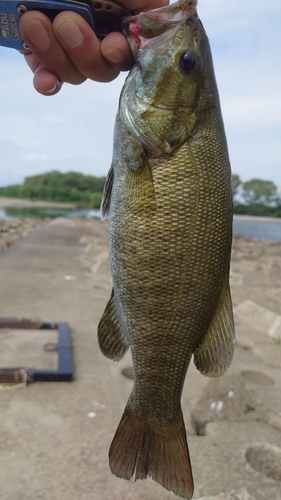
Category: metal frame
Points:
column 64, row 372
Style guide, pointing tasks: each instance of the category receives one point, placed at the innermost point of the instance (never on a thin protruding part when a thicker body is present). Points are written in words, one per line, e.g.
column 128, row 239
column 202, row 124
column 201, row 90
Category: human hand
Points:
column 68, row 50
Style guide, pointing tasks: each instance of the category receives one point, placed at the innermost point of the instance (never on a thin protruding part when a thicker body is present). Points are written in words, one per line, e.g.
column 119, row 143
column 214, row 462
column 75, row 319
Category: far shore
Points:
column 256, row 218
column 19, row 203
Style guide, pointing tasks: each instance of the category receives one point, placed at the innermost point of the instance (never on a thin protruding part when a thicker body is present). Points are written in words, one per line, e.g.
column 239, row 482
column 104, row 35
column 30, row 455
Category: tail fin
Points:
column 152, row 448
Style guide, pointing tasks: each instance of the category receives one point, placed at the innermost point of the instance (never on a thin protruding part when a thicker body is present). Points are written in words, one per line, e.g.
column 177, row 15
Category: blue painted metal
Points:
column 64, row 371
column 103, row 16
column 10, row 16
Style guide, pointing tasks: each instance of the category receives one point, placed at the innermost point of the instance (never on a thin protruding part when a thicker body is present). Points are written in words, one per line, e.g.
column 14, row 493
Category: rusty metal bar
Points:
column 30, row 324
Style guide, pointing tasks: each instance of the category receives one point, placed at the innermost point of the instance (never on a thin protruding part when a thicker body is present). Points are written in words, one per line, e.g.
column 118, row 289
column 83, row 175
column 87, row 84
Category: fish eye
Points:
column 187, row 62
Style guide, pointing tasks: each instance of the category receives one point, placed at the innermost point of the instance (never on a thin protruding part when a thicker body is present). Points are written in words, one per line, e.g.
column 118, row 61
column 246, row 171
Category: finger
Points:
column 36, row 30
column 46, row 82
column 82, row 47
column 115, row 50
column 32, row 61
column 142, row 5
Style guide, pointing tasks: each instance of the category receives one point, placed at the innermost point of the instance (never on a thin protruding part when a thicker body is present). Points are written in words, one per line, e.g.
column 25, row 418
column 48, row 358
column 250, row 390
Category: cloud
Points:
column 34, row 157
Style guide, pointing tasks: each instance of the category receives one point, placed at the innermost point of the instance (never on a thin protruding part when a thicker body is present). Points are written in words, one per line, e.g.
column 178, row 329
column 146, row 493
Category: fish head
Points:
column 173, row 79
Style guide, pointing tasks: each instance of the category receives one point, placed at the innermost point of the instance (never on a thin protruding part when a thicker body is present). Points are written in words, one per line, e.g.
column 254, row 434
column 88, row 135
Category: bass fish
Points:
column 169, row 208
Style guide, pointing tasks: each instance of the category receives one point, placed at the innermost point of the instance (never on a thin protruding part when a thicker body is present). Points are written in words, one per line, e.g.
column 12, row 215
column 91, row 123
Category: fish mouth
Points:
column 143, row 29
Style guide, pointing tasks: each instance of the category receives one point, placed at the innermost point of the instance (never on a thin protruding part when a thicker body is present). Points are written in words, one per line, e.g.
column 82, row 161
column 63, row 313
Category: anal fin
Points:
column 214, row 355
column 112, row 341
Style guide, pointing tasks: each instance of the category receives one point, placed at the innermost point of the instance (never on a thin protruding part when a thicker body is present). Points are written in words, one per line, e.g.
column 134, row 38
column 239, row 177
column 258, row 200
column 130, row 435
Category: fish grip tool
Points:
column 104, row 16
column 64, row 372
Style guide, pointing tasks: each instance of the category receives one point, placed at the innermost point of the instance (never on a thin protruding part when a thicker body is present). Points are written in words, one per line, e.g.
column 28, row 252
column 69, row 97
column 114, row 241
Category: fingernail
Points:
column 70, row 33
column 55, row 89
column 38, row 35
column 115, row 56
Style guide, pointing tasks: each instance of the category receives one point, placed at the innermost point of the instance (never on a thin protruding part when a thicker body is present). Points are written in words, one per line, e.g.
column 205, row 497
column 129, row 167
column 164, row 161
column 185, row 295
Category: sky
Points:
column 73, row 130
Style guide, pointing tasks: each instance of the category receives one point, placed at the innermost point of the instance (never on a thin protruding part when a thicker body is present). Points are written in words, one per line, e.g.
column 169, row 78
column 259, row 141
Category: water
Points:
column 9, row 213
column 269, row 230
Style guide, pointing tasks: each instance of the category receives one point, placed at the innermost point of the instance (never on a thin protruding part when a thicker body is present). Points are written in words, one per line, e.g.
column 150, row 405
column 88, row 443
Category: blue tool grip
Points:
column 11, row 11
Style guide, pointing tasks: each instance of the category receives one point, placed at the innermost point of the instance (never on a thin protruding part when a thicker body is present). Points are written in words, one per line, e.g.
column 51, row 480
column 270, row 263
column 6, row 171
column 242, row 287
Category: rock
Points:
column 221, row 454
column 13, row 230
column 226, row 398
column 274, row 420
column 247, row 336
column 257, row 377
column 221, row 496
column 275, row 329
column 236, row 279
column 241, row 494
column 266, row 459
column 268, row 353
column 251, row 313
column 253, row 322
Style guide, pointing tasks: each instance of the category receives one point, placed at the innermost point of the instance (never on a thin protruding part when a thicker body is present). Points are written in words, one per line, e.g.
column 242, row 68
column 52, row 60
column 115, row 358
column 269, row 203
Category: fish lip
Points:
column 147, row 105
column 166, row 17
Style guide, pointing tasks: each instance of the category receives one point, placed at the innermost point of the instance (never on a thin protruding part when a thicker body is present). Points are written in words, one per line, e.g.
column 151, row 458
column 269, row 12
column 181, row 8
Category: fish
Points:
column 168, row 202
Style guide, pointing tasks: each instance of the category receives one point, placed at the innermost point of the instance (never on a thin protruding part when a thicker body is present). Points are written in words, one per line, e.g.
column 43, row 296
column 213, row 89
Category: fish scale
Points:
column 169, row 209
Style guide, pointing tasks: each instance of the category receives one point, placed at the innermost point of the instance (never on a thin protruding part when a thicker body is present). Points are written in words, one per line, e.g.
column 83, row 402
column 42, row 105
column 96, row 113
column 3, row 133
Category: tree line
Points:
column 255, row 197
column 70, row 187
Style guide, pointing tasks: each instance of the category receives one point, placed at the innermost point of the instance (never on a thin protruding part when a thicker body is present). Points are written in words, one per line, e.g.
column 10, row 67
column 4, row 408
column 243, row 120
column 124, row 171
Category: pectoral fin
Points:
column 112, row 341
column 214, row 355
column 105, row 202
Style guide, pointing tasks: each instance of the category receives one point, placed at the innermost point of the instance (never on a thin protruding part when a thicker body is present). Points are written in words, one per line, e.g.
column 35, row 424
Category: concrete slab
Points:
column 268, row 353
column 241, row 494
column 275, row 329
column 254, row 314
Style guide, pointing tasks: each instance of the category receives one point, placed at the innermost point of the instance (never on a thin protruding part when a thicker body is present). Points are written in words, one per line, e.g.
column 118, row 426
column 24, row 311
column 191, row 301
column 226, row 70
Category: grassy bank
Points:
column 70, row 187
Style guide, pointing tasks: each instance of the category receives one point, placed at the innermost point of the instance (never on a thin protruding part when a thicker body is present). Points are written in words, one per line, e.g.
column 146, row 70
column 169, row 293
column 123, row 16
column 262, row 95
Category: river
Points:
column 263, row 228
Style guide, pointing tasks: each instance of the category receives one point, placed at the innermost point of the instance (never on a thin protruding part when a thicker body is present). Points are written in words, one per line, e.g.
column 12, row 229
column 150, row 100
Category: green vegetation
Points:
column 71, row 187
column 255, row 197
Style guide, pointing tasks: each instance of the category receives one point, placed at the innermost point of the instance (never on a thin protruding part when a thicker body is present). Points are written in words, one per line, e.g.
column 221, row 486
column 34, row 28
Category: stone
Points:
column 247, row 336
column 275, row 329
column 221, row 496
column 13, row 230
column 268, row 353
column 251, row 313
column 241, row 494
column 226, row 398
column 236, row 279
column 274, row 420
column 266, row 459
